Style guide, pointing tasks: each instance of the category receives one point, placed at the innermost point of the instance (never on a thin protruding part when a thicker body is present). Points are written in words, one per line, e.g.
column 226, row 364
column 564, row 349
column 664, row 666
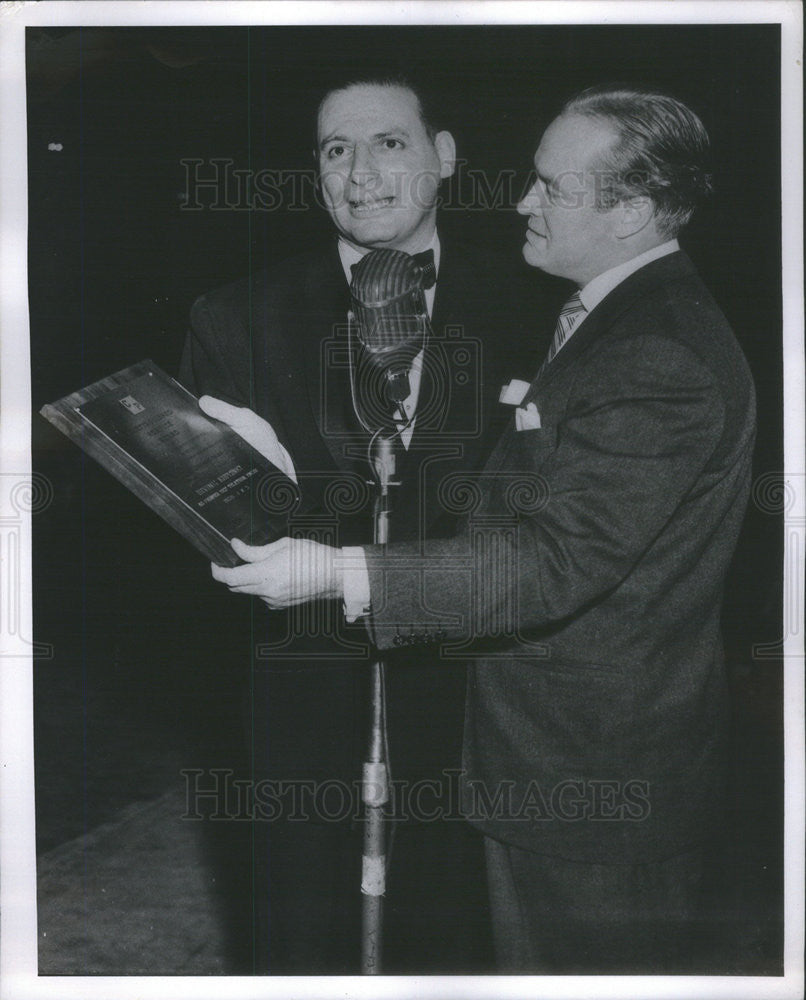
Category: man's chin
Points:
column 375, row 234
column 532, row 256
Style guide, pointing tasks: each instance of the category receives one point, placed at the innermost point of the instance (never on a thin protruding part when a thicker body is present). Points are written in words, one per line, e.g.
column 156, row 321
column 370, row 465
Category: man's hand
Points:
column 253, row 429
column 287, row 572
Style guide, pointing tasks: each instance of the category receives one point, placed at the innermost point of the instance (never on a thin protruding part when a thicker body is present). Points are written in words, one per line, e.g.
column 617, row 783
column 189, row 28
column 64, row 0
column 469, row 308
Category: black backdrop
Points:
column 142, row 669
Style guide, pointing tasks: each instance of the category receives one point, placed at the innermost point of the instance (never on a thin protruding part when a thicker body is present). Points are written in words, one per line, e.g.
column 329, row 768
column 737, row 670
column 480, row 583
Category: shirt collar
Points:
column 600, row 286
column 350, row 256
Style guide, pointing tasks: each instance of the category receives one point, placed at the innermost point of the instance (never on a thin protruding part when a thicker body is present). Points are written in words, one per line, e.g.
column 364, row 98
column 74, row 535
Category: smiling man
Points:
column 273, row 349
column 596, row 719
column 380, row 167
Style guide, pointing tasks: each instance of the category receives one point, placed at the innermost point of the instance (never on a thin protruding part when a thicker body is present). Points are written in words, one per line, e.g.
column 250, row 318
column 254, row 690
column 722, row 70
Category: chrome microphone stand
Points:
column 375, row 775
column 388, row 305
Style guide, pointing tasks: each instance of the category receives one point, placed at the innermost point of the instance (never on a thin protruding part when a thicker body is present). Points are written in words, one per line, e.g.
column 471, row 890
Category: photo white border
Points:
column 18, row 928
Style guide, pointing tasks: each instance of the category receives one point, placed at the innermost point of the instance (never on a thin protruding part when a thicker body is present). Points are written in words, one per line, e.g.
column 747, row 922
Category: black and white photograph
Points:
column 402, row 500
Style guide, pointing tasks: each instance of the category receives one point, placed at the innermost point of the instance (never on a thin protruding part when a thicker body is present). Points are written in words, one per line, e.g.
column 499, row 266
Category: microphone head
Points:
column 391, row 325
column 388, row 301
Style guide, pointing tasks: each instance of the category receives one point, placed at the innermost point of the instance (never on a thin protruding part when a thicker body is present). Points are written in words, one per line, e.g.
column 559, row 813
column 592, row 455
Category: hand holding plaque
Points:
column 256, row 431
column 287, row 572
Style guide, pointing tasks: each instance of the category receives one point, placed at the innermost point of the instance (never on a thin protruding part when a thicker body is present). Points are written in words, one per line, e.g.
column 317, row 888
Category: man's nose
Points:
column 531, row 203
column 363, row 168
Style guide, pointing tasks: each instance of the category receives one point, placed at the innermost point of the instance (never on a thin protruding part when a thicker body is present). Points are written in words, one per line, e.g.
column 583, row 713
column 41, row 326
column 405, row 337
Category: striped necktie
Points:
column 571, row 315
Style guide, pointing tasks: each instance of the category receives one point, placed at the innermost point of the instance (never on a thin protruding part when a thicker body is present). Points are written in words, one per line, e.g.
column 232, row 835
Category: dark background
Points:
column 146, row 650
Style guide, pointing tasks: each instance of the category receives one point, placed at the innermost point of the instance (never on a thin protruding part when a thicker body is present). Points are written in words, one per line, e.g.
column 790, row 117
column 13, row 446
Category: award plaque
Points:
column 195, row 472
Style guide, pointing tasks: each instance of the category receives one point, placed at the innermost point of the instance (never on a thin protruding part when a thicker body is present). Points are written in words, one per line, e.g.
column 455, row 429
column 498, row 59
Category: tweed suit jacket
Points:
column 587, row 580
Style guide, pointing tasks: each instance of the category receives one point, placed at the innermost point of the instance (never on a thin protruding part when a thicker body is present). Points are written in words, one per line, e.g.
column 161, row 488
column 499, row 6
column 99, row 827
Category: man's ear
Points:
column 635, row 214
column 446, row 151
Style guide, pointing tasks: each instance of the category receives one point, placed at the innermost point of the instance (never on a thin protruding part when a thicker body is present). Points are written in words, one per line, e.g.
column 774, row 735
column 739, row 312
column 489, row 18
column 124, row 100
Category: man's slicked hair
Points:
column 397, row 81
column 662, row 152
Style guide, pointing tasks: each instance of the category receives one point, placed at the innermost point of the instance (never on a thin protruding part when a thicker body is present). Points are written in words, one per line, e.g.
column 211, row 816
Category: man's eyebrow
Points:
column 335, row 137
column 377, row 137
column 391, row 132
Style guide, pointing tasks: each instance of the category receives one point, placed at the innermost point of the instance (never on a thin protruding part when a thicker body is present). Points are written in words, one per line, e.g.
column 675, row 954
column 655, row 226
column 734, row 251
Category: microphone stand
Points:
column 375, row 772
column 375, row 776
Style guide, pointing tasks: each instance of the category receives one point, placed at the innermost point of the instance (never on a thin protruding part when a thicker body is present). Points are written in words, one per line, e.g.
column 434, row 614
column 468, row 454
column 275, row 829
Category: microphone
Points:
column 392, row 327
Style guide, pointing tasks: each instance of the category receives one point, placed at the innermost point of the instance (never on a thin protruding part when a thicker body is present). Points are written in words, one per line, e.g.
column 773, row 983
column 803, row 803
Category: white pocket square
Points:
column 513, row 393
column 527, row 418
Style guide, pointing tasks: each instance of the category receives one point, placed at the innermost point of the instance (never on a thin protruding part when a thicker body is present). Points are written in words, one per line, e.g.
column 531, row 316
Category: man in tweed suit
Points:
column 588, row 577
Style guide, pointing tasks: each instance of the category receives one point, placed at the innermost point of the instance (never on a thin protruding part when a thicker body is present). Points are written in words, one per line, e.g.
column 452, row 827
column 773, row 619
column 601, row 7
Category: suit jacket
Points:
column 590, row 571
column 276, row 342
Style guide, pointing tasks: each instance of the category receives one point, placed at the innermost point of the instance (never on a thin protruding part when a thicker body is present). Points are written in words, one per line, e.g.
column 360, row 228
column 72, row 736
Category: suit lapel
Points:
column 450, row 388
column 623, row 297
column 326, row 362
column 633, row 289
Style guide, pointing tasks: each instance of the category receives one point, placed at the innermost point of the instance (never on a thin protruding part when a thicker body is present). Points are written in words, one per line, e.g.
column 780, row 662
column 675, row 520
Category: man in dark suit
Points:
column 590, row 571
column 272, row 351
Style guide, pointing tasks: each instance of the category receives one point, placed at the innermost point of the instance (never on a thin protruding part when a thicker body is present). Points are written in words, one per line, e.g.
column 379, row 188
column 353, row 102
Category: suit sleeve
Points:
column 641, row 422
column 209, row 351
